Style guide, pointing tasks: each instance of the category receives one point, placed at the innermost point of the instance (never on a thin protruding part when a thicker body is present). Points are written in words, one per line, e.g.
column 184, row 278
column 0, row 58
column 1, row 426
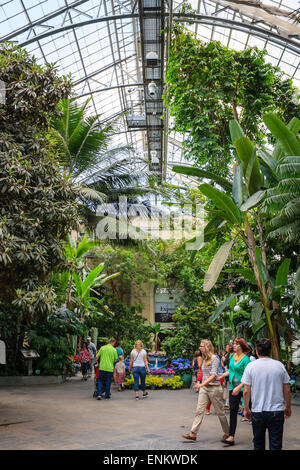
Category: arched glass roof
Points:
column 104, row 45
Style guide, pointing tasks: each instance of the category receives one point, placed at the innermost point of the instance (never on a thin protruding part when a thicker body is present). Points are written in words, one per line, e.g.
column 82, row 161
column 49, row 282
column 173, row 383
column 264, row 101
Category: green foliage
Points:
column 51, row 337
column 92, row 280
column 282, row 201
column 38, row 205
column 191, row 326
column 209, row 84
column 126, row 324
column 83, row 146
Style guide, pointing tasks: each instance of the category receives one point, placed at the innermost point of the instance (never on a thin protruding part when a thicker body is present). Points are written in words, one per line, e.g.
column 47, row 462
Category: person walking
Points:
column 138, row 365
column 107, row 355
column 119, row 349
column 225, row 363
column 196, row 365
column 92, row 348
column 237, row 364
column 266, row 381
column 120, row 373
column 210, row 390
column 84, row 356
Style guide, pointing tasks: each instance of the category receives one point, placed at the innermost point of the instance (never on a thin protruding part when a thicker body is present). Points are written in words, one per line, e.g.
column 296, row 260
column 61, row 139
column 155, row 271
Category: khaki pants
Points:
column 211, row 393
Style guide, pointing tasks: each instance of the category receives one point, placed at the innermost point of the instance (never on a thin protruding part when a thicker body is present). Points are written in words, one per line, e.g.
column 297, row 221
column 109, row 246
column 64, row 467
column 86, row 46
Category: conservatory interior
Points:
column 150, row 183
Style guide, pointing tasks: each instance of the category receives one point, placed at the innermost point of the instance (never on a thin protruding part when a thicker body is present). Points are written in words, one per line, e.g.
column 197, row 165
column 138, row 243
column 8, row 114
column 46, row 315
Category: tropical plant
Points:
column 190, row 327
column 156, row 330
column 83, row 299
column 208, row 85
column 282, row 201
column 126, row 324
column 102, row 173
column 247, row 192
column 63, row 281
column 52, row 338
column 37, row 206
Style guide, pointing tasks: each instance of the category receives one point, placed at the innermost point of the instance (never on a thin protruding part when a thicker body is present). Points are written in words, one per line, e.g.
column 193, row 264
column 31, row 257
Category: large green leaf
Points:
column 220, row 309
column 236, row 131
column 294, row 127
column 287, row 140
column 78, row 284
column 237, row 187
column 222, row 201
column 216, row 266
column 191, row 171
column 84, row 246
column 246, row 273
column 268, row 159
column 245, row 149
column 253, row 200
column 91, row 278
column 282, row 273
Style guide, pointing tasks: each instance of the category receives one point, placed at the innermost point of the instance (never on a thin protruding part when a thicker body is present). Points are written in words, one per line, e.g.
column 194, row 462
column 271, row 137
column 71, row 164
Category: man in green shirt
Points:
column 106, row 356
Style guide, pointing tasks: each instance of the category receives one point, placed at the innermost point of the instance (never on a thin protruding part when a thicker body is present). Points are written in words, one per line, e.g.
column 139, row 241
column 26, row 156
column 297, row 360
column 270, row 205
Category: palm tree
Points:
column 83, row 144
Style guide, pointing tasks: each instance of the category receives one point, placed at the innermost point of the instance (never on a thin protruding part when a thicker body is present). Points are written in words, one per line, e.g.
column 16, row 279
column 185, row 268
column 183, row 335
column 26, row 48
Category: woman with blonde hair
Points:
column 138, row 365
column 209, row 390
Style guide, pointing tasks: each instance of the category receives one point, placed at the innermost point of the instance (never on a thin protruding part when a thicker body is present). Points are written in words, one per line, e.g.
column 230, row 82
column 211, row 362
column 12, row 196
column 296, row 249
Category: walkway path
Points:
column 66, row 417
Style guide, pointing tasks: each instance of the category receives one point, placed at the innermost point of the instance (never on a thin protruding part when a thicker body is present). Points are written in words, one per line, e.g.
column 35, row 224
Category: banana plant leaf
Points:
column 191, row 171
column 238, row 186
column 91, row 278
column 285, row 137
column 253, row 200
column 294, row 127
column 282, row 273
column 244, row 272
column 220, row 309
column 230, row 211
column 236, row 131
column 216, row 266
column 245, row 150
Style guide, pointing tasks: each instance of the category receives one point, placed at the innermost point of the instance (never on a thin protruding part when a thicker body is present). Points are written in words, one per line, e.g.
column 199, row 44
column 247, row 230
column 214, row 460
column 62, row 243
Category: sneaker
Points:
column 145, row 395
column 207, row 412
column 137, row 398
column 99, row 397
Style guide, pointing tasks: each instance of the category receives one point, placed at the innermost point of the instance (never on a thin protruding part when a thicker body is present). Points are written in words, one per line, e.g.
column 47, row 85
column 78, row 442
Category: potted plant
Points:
column 184, row 369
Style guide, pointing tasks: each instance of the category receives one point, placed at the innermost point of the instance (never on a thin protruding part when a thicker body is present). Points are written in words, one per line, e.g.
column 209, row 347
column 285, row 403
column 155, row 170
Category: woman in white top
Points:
column 209, row 390
column 138, row 365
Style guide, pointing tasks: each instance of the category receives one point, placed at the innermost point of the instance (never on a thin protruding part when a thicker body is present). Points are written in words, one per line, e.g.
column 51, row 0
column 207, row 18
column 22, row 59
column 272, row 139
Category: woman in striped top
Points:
column 209, row 390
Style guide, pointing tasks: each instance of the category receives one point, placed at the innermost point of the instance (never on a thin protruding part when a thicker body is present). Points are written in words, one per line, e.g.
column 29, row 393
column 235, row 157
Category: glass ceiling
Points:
column 103, row 54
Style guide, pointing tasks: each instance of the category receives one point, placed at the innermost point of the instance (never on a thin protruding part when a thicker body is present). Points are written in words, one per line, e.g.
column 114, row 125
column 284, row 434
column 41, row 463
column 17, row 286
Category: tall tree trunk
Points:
column 262, row 291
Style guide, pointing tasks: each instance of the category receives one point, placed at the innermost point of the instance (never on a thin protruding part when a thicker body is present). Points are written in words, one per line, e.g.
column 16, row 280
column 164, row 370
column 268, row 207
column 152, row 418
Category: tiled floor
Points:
column 66, row 417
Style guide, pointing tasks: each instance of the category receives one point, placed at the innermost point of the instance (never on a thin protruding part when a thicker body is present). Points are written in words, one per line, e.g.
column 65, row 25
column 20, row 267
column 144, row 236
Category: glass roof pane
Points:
column 107, row 54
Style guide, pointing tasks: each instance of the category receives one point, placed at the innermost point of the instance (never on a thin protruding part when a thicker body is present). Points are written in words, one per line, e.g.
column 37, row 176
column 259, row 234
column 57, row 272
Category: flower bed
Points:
column 153, row 382
column 179, row 366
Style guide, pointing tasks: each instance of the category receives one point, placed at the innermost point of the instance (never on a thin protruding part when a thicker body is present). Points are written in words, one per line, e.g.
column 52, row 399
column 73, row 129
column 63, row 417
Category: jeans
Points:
column 139, row 372
column 234, row 402
column 272, row 421
column 84, row 368
column 106, row 377
column 91, row 367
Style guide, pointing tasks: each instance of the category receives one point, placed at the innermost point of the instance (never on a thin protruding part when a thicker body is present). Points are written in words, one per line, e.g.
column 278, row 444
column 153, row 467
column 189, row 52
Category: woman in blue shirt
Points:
column 238, row 362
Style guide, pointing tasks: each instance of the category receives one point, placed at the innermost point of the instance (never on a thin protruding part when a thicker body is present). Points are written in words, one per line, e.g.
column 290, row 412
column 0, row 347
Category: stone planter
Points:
column 187, row 380
column 31, row 380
